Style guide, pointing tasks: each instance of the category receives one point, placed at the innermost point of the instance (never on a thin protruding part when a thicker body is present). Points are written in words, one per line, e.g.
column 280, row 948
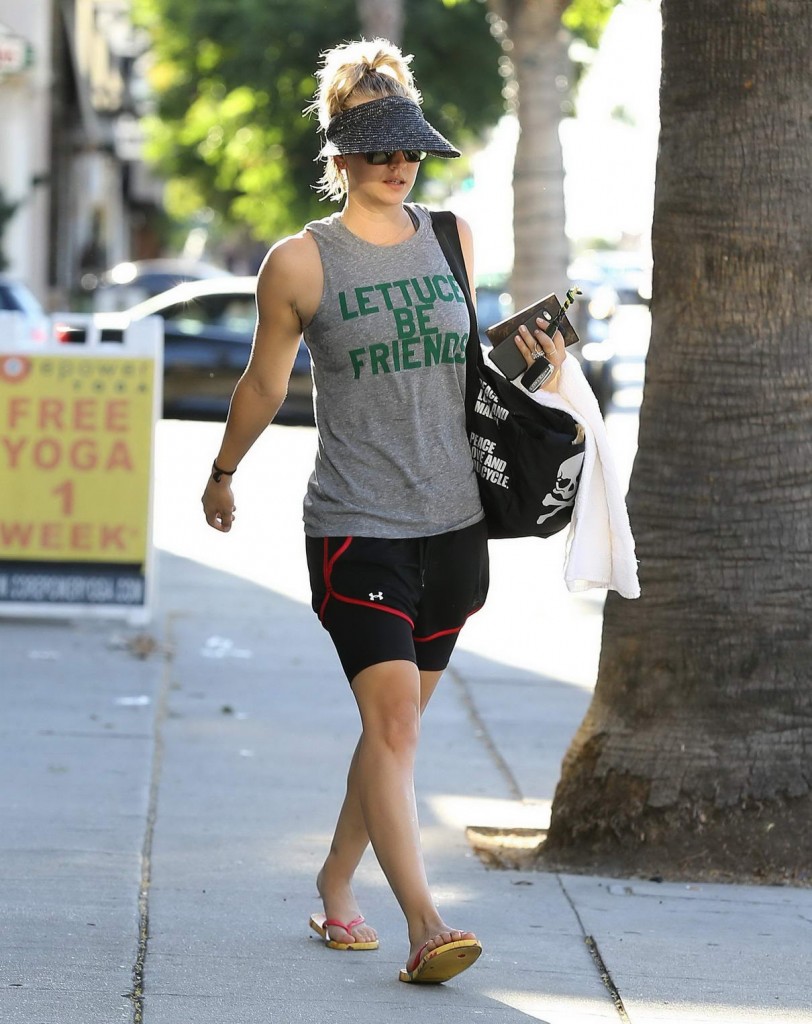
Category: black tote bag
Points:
column 527, row 457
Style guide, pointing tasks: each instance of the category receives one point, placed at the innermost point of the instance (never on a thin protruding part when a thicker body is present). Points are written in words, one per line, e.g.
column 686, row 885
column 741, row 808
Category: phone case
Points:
column 504, row 353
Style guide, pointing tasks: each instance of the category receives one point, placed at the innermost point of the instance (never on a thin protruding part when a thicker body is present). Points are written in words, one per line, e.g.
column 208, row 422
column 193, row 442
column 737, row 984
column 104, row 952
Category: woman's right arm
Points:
column 283, row 288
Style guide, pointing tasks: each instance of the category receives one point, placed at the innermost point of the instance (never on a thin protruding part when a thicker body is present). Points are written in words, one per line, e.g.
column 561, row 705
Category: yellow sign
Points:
column 75, row 458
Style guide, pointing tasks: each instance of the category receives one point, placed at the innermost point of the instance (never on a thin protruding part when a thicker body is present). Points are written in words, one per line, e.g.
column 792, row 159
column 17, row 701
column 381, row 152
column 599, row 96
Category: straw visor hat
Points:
column 390, row 123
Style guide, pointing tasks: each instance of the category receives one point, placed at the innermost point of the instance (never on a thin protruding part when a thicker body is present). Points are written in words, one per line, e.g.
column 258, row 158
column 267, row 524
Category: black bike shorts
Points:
column 398, row 600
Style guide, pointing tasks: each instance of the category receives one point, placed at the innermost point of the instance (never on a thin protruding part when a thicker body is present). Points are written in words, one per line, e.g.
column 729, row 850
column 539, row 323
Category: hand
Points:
column 540, row 343
column 218, row 504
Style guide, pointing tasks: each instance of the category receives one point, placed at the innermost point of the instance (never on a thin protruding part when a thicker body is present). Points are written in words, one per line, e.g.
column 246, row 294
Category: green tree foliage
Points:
column 231, row 81
column 586, row 19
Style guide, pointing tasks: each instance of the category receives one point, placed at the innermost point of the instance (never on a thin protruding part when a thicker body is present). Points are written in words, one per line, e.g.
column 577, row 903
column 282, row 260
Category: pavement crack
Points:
column 482, row 733
column 136, row 995
column 597, row 959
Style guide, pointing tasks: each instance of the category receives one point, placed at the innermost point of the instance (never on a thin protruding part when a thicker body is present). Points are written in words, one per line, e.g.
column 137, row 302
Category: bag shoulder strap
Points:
column 444, row 223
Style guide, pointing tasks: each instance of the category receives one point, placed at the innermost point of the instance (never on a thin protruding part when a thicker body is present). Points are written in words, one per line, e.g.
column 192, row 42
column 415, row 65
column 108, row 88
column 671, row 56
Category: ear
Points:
column 340, row 162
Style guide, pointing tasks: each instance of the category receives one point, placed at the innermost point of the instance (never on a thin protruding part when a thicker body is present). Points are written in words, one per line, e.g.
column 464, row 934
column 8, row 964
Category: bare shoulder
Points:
column 291, row 274
column 467, row 243
column 466, row 234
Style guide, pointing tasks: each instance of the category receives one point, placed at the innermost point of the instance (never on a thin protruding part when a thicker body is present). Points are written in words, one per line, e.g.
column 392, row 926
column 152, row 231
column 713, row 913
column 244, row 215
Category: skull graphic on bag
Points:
column 566, row 484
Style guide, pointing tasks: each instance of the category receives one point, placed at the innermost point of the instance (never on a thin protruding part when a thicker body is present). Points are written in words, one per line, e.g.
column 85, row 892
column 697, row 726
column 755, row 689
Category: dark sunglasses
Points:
column 380, row 156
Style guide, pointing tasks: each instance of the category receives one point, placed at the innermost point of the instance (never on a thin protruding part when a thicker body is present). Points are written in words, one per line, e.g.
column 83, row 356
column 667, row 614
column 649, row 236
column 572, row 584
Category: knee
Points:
column 388, row 698
column 395, row 728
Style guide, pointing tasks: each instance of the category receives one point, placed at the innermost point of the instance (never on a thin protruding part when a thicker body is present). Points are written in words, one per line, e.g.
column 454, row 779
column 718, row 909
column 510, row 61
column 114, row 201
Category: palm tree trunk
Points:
column 537, row 46
column 539, row 55
column 694, row 755
column 381, row 19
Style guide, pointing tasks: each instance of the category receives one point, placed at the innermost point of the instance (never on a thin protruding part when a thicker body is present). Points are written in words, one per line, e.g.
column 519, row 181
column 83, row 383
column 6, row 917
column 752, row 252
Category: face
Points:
column 387, row 182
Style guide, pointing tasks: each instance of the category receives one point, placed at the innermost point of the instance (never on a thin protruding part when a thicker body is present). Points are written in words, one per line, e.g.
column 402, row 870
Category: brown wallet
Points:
column 504, row 353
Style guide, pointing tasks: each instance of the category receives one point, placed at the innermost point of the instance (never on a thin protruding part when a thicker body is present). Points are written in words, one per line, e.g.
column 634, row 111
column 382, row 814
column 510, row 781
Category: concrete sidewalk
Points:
column 165, row 812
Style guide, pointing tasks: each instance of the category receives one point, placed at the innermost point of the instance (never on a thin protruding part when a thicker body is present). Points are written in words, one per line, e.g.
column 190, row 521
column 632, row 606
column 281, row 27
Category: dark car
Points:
column 608, row 279
column 208, row 329
column 493, row 303
column 32, row 322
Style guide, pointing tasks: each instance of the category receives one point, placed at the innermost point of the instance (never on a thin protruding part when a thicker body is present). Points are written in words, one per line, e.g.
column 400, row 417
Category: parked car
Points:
column 608, row 279
column 627, row 273
column 208, row 329
column 493, row 303
column 15, row 297
column 129, row 283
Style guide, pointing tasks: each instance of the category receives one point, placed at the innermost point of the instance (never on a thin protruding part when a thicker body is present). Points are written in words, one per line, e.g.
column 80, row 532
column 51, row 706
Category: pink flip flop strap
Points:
column 332, row 922
column 416, row 959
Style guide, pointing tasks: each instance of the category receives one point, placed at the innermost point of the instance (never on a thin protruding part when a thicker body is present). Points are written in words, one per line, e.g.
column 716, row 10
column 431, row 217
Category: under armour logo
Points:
column 376, row 597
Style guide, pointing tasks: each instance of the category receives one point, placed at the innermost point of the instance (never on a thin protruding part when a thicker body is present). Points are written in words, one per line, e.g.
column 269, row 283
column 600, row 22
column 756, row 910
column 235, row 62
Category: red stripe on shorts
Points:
column 446, row 632
column 329, row 564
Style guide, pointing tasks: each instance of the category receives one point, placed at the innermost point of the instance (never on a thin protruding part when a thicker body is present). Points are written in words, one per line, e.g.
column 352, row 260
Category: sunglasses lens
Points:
column 380, row 156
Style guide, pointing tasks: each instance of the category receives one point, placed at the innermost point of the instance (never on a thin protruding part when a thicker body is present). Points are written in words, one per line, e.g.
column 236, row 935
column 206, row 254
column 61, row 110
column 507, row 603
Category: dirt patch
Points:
column 762, row 846
column 504, row 849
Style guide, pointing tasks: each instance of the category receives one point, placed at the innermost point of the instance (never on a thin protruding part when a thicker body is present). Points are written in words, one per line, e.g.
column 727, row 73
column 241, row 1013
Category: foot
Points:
column 340, row 905
column 421, row 947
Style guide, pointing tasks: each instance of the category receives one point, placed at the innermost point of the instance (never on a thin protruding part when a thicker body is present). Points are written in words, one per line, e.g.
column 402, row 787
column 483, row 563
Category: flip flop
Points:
column 319, row 923
column 441, row 963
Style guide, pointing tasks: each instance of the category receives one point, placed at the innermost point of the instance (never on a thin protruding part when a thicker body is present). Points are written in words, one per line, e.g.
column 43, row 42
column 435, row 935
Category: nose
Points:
column 397, row 158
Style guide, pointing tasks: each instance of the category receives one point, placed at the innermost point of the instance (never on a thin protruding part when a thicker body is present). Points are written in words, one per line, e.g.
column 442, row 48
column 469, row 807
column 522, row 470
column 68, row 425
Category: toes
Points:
column 363, row 933
column 452, row 935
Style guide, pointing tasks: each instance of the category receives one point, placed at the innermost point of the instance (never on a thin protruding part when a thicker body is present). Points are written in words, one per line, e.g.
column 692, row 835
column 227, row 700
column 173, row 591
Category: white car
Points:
column 208, row 330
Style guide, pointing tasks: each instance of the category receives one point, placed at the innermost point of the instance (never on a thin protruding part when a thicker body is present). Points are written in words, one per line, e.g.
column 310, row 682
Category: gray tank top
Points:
column 388, row 350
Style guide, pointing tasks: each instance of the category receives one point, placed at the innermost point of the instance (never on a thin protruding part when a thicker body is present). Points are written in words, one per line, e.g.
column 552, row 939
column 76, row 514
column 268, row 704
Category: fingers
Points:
column 218, row 507
column 540, row 343
column 220, row 519
column 225, row 519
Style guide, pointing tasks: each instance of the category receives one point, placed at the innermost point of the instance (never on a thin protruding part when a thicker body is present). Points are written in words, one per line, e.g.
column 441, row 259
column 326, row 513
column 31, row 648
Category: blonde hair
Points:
column 352, row 73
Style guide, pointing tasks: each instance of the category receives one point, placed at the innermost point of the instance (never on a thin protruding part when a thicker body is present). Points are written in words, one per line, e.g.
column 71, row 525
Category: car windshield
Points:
column 236, row 313
column 19, row 299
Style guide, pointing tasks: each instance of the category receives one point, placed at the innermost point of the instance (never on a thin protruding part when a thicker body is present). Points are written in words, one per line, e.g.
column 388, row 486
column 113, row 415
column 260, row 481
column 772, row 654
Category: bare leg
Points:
column 350, row 840
column 389, row 699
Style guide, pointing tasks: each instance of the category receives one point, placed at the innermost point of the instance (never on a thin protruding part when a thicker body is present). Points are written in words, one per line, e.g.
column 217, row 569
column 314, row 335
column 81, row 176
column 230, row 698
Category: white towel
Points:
column 600, row 546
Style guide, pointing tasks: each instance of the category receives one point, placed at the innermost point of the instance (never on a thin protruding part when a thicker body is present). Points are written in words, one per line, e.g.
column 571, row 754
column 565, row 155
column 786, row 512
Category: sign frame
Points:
column 104, row 590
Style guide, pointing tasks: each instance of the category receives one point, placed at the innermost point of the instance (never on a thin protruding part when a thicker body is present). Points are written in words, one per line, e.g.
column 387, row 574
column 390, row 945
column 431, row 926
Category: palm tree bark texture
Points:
column 694, row 758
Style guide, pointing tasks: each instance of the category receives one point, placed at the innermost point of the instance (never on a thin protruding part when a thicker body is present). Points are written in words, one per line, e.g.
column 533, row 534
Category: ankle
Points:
column 333, row 875
column 425, row 926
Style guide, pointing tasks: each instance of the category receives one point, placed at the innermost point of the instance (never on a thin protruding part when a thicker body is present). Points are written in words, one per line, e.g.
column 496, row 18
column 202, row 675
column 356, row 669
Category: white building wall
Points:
column 25, row 115
column 74, row 218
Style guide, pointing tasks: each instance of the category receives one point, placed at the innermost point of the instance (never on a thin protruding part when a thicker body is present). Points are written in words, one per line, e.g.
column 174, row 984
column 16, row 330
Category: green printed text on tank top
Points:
column 363, row 300
column 408, row 354
column 410, row 306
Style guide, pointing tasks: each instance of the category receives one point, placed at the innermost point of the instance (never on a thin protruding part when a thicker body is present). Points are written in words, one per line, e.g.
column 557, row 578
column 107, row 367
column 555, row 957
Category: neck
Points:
column 379, row 225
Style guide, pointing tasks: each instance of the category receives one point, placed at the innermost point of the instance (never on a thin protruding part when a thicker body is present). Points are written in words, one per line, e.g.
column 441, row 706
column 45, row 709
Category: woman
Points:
column 395, row 538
